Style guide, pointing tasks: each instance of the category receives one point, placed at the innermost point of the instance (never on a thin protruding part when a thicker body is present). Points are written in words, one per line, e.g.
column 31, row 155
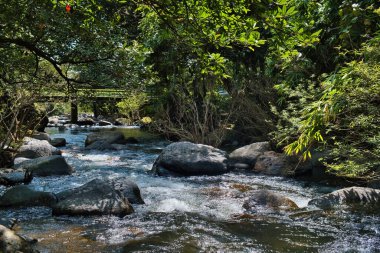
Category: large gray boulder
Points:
column 186, row 158
column 47, row 166
column 245, row 157
column 268, row 200
column 22, row 195
column 129, row 189
column 33, row 148
column 10, row 242
column 356, row 197
column 97, row 197
column 103, row 140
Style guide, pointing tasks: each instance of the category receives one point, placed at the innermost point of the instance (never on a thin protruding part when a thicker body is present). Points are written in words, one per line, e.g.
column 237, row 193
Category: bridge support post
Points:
column 95, row 109
column 74, row 112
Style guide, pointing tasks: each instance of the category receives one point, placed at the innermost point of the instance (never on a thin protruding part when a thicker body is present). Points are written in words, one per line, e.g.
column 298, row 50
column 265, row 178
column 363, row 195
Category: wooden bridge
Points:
column 83, row 94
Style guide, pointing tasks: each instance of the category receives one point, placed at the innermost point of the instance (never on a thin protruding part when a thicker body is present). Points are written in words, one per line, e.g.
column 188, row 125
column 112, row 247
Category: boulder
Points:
column 129, row 189
column 11, row 242
column 33, row 148
column 186, row 158
column 41, row 136
column 19, row 160
column 103, row 140
column 86, row 122
column 268, row 199
column 97, row 197
column 245, row 157
column 14, row 178
column 356, row 197
column 22, row 195
column 104, row 123
column 53, row 120
column 271, row 163
column 47, row 166
column 58, row 142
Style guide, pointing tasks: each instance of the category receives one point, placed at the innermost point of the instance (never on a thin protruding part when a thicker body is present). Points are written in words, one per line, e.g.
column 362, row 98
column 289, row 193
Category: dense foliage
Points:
column 303, row 72
column 329, row 93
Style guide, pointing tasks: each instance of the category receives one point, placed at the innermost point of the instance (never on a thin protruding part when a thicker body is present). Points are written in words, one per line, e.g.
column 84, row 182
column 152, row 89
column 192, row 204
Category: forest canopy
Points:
column 302, row 73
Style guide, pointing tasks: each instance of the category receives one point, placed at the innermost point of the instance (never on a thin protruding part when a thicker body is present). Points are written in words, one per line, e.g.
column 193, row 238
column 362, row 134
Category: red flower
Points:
column 68, row 8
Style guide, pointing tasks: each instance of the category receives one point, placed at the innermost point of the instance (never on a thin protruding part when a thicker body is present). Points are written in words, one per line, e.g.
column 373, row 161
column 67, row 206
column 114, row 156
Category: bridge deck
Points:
column 85, row 94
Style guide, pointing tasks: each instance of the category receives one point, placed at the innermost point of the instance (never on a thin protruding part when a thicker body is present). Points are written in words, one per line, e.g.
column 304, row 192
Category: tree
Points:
column 326, row 92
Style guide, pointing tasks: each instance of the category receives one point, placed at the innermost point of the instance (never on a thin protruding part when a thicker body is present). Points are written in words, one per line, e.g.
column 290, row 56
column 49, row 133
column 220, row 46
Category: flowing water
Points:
column 187, row 214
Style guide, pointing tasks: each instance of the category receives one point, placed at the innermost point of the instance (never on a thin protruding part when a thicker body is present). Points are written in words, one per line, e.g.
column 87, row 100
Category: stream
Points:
column 186, row 214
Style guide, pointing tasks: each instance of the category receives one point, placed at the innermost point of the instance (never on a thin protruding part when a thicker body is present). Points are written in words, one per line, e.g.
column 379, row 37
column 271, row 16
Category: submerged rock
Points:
column 11, row 242
column 268, row 199
column 186, row 158
column 97, row 197
column 47, row 166
column 357, row 197
column 22, row 195
column 245, row 157
column 33, row 148
column 103, row 140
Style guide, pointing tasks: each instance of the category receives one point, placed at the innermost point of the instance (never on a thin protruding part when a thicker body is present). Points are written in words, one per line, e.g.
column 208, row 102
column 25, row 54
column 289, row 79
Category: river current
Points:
column 187, row 214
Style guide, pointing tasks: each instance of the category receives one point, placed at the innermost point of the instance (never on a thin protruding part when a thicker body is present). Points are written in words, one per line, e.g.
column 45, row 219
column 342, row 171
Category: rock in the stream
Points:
column 41, row 136
column 245, row 157
column 33, row 148
column 103, row 140
column 272, row 163
column 19, row 160
column 357, row 197
column 130, row 190
column 186, row 158
column 268, row 199
column 22, row 195
column 97, row 197
column 104, row 123
column 14, row 178
column 86, row 122
column 47, row 166
column 58, row 142
column 10, row 242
